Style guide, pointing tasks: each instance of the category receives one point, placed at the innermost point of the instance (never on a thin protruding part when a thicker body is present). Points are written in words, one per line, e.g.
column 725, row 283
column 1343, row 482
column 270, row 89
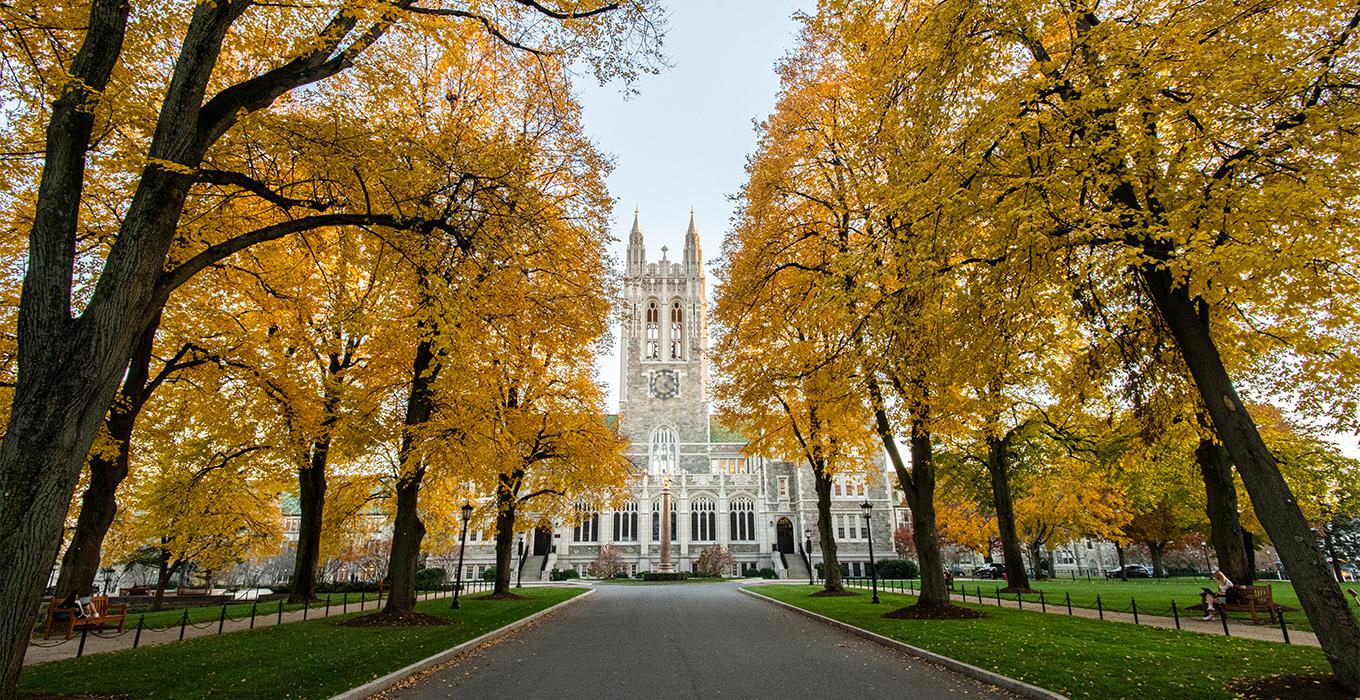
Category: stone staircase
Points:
column 533, row 568
column 798, row 570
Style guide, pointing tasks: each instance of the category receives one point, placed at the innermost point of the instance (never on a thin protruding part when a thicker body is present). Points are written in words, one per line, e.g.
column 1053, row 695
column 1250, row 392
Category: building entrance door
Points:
column 542, row 541
column 784, row 535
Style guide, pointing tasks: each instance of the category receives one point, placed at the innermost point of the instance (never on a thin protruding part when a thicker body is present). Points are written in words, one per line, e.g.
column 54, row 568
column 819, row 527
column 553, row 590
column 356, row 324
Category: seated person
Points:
column 1225, row 592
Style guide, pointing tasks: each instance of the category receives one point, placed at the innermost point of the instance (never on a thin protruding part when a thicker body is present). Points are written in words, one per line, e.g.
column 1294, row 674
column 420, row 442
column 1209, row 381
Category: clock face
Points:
column 665, row 383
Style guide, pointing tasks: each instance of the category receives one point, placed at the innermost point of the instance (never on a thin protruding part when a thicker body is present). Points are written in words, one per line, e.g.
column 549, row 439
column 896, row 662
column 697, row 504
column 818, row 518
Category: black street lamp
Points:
column 873, row 569
column 108, row 577
column 458, row 576
column 519, row 575
column 807, row 536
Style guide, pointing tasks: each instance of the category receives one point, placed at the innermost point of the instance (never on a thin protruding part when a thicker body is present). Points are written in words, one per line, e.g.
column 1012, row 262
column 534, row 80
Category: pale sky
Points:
column 683, row 142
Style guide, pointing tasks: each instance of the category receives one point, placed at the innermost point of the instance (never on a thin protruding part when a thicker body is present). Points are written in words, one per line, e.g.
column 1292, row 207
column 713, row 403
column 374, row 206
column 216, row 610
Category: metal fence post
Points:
column 1043, row 605
column 183, row 622
column 1019, row 600
column 1068, row 596
column 1100, row 608
column 137, row 638
column 83, row 632
column 253, row 603
column 1176, row 614
column 1224, row 617
column 306, row 605
column 280, row 612
column 222, row 620
column 1134, row 603
column 1283, row 630
column 998, row 596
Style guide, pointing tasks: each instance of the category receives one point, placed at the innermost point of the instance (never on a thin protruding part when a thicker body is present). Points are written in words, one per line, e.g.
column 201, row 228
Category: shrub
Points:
column 898, row 568
column 714, row 562
column 563, row 575
column 666, row 576
column 489, row 573
column 622, row 574
column 429, row 579
column 766, row 572
column 608, row 562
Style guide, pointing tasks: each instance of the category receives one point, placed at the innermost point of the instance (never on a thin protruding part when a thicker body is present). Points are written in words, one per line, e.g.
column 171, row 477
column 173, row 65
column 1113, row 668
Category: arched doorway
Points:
column 542, row 541
column 784, row 535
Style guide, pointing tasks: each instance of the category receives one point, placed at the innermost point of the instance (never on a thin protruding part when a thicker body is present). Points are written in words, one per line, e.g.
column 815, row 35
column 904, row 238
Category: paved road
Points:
column 688, row 641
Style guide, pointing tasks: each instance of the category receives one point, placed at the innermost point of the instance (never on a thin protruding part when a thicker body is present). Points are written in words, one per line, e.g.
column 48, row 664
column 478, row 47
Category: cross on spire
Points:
column 663, row 252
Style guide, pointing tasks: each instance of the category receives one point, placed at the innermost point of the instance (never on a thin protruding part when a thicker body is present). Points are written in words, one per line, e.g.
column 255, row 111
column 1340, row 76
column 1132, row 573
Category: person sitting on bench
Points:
column 1225, row 592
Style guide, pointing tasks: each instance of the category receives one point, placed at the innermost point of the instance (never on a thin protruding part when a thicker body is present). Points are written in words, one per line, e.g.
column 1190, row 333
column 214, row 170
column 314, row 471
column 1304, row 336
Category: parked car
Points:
column 995, row 570
column 1130, row 571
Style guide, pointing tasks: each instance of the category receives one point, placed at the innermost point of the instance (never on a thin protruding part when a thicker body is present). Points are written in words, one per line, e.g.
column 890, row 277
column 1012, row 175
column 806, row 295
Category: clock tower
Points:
column 663, row 388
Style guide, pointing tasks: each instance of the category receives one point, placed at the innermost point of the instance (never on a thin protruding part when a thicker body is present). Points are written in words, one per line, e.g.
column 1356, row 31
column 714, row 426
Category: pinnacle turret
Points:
column 637, row 249
column 694, row 257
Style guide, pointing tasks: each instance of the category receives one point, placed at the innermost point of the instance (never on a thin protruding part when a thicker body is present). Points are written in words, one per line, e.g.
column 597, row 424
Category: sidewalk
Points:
column 102, row 641
column 1189, row 620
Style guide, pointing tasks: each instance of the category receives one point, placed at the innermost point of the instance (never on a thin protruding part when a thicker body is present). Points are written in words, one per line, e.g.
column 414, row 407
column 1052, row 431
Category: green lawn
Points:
column 1077, row 657
column 313, row 659
column 1154, row 596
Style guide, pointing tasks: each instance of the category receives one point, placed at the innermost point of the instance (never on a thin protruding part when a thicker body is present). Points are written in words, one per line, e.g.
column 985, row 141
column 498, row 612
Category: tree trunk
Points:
column 921, row 500
column 998, row 467
column 1119, row 550
column 311, row 506
column 1275, row 506
column 1225, row 526
column 826, row 529
column 505, row 529
column 408, row 531
column 1036, row 560
column 1156, row 549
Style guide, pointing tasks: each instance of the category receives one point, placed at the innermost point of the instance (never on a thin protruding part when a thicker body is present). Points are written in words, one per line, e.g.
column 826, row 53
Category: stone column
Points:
column 666, row 564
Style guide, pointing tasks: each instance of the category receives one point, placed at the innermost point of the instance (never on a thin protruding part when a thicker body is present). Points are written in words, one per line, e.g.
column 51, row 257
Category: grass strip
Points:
column 313, row 659
column 1076, row 657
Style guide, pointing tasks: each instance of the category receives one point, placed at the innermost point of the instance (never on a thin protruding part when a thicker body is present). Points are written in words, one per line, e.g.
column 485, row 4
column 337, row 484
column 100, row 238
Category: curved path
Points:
column 687, row 641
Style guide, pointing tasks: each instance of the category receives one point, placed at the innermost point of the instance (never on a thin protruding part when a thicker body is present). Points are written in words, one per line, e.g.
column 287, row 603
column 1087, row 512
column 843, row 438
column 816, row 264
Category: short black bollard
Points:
column 1224, row 617
column 1100, row 608
column 222, row 620
column 83, row 631
column 183, row 622
column 253, row 603
column 1068, row 596
column 1043, row 606
column 137, row 638
column 280, row 611
column 1283, row 630
column 1176, row 614
column 1133, row 602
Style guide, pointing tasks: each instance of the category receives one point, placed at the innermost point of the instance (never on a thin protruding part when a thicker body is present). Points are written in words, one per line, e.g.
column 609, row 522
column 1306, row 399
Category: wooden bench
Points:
column 99, row 615
column 1257, row 600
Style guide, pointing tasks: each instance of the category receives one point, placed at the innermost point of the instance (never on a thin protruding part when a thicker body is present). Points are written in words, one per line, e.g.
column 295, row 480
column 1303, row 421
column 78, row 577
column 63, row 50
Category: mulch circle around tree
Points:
column 500, row 596
column 1318, row 687
column 383, row 619
column 933, row 612
column 832, row 594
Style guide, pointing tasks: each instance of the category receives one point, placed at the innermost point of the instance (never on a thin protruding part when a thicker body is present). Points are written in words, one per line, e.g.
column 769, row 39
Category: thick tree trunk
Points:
column 408, row 531
column 311, row 506
column 1119, row 551
column 921, row 499
column 1225, row 526
column 505, row 529
column 1036, row 561
column 1156, row 549
column 1274, row 503
column 998, row 467
column 826, row 529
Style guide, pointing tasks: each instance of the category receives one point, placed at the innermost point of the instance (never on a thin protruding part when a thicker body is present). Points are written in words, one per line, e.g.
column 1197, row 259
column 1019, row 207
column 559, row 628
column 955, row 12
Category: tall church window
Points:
column 588, row 525
column 742, row 520
column 665, row 451
column 656, row 522
column 703, row 520
column 677, row 332
column 626, row 523
column 652, row 349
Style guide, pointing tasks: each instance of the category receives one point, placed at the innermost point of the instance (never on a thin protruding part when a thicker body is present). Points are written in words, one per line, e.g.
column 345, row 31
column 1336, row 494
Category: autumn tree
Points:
column 608, row 562
column 228, row 61
column 715, row 562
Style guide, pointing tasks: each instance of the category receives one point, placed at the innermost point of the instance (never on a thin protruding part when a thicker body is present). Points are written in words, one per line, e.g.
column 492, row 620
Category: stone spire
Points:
column 637, row 250
column 694, row 258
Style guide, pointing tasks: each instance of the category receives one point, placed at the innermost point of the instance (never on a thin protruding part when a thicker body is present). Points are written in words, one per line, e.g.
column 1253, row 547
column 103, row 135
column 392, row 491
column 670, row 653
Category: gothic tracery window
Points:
column 665, row 451
column 703, row 520
column 742, row 520
column 652, row 349
column 626, row 523
column 656, row 522
column 677, row 332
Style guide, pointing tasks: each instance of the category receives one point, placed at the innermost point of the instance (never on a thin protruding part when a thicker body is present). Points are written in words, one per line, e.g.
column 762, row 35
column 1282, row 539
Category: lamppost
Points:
column 807, row 538
column 108, row 578
column 519, row 575
column 458, row 576
column 873, row 569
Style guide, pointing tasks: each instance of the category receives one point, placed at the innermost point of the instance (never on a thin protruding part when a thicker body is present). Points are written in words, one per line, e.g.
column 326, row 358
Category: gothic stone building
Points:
column 758, row 508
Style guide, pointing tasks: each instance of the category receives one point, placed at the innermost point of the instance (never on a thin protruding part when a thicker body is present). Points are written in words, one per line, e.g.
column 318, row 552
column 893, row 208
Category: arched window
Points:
column 665, row 451
column 742, row 520
column 626, row 523
column 656, row 522
column 677, row 331
column 703, row 520
column 587, row 526
column 652, row 349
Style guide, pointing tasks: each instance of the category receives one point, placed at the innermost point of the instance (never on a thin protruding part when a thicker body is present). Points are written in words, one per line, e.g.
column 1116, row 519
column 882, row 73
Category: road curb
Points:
column 1021, row 688
column 378, row 685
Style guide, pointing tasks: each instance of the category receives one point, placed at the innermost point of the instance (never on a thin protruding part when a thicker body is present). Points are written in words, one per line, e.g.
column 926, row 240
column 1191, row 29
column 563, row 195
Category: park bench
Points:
column 1257, row 600
column 99, row 615
column 192, row 590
